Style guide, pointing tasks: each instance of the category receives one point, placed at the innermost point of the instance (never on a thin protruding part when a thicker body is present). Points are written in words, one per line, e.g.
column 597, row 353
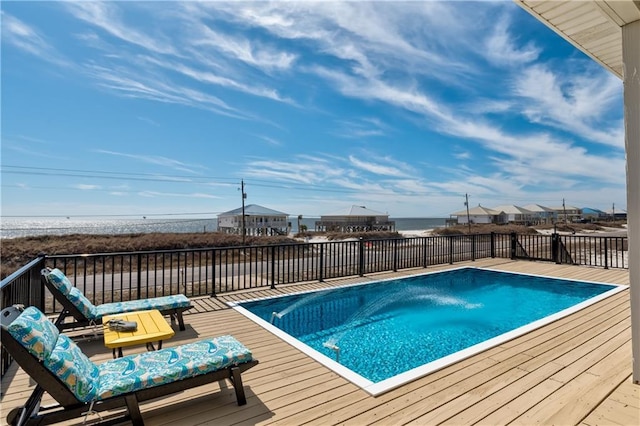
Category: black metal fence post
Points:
column 361, row 257
column 395, row 255
column 35, row 284
column 321, row 266
column 493, row 245
column 139, row 276
column 555, row 247
column 473, row 247
column 273, row 267
column 424, row 253
column 450, row 250
column 606, row 253
column 213, row 272
column 514, row 242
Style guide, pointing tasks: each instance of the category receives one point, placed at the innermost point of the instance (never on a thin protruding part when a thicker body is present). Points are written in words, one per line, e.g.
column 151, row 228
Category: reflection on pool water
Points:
column 382, row 334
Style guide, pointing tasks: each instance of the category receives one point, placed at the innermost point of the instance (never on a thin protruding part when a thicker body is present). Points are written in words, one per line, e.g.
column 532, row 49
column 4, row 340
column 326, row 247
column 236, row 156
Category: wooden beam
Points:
column 631, row 74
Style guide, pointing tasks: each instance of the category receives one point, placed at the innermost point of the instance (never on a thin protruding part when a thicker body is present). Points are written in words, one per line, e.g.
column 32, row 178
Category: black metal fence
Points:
column 115, row 277
column 23, row 287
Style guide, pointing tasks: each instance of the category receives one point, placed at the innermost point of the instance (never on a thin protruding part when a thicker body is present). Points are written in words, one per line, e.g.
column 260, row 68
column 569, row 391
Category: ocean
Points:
column 21, row 227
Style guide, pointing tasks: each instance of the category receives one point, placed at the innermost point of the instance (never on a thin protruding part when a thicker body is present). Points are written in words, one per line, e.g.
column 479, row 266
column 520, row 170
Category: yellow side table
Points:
column 152, row 327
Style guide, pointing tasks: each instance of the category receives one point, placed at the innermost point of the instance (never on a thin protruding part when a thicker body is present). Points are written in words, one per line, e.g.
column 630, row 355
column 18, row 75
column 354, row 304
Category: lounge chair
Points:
column 75, row 304
column 79, row 386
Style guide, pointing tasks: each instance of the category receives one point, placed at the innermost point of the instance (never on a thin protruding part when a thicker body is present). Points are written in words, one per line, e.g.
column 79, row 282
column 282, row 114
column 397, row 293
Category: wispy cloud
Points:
column 434, row 100
column 108, row 17
column 134, row 84
column 462, row 155
column 501, row 48
column 308, row 172
column 211, row 78
column 86, row 187
column 149, row 121
column 156, row 160
column 28, row 39
column 269, row 140
column 30, row 147
column 576, row 103
column 360, row 129
column 250, row 52
column 158, row 194
column 391, row 168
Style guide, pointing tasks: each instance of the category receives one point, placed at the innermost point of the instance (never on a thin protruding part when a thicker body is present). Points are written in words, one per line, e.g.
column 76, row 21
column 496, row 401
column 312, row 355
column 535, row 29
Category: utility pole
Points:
column 564, row 212
column 466, row 203
column 613, row 212
column 244, row 196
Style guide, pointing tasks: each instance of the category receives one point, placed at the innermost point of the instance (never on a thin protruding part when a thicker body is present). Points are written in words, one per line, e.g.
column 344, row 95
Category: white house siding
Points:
column 258, row 220
column 476, row 219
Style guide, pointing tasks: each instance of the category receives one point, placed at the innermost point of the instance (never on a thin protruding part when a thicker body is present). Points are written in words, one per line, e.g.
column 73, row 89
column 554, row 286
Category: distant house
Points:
column 567, row 213
column 517, row 215
column 542, row 214
column 258, row 220
column 355, row 219
column 589, row 214
column 480, row 215
column 617, row 214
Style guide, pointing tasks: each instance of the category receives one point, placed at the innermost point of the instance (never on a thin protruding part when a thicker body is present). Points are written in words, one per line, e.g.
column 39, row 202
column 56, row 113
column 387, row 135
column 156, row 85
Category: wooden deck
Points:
column 576, row 370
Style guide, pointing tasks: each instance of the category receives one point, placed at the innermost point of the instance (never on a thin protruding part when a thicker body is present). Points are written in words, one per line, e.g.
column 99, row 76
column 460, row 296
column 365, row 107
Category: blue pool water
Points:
column 386, row 328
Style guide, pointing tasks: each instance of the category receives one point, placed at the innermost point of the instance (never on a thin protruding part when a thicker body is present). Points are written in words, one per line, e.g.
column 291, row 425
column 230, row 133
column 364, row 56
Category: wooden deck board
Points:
column 573, row 371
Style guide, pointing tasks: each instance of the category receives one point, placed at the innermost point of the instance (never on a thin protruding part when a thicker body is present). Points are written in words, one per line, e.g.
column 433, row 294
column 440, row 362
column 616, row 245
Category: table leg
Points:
column 150, row 346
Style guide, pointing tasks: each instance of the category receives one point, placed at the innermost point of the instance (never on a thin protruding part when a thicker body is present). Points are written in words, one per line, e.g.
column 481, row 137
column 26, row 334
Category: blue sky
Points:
column 140, row 109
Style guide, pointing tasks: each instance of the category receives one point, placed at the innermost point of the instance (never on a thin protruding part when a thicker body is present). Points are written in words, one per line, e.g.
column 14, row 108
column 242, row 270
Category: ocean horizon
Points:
column 29, row 227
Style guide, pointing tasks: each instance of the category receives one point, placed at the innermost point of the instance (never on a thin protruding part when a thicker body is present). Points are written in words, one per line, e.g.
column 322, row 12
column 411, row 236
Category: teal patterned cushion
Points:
column 58, row 279
column 36, row 333
column 74, row 369
column 159, row 303
column 83, row 304
column 148, row 369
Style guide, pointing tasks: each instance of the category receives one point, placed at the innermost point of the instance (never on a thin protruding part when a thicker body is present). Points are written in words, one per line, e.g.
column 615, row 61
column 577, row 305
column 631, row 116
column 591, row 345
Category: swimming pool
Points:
column 382, row 334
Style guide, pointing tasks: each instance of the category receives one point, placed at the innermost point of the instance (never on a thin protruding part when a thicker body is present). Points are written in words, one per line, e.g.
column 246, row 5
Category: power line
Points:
column 145, row 177
column 102, row 172
column 97, row 174
column 230, row 181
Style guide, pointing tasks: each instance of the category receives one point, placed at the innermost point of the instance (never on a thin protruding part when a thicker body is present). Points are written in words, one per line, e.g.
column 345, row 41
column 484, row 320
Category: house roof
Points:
column 511, row 209
column 538, row 208
column 478, row 211
column 356, row 211
column 590, row 210
column 253, row 210
column 561, row 208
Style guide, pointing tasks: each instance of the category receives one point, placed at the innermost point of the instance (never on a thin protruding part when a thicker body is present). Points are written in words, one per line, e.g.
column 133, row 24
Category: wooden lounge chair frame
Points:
column 69, row 309
column 70, row 407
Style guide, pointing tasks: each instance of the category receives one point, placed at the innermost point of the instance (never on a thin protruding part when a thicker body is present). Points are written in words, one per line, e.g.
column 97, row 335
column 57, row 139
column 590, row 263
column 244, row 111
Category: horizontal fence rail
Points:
column 117, row 277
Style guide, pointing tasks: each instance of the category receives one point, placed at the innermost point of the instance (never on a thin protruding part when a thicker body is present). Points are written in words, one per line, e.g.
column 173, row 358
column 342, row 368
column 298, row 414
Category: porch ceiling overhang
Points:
column 592, row 26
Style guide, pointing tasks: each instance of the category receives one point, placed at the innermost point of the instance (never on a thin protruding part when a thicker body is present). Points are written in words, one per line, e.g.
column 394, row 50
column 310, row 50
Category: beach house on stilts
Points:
column 479, row 214
column 355, row 219
column 258, row 220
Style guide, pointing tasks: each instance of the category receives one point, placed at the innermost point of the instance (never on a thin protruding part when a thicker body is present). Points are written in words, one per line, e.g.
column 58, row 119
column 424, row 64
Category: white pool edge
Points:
column 386, row 385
